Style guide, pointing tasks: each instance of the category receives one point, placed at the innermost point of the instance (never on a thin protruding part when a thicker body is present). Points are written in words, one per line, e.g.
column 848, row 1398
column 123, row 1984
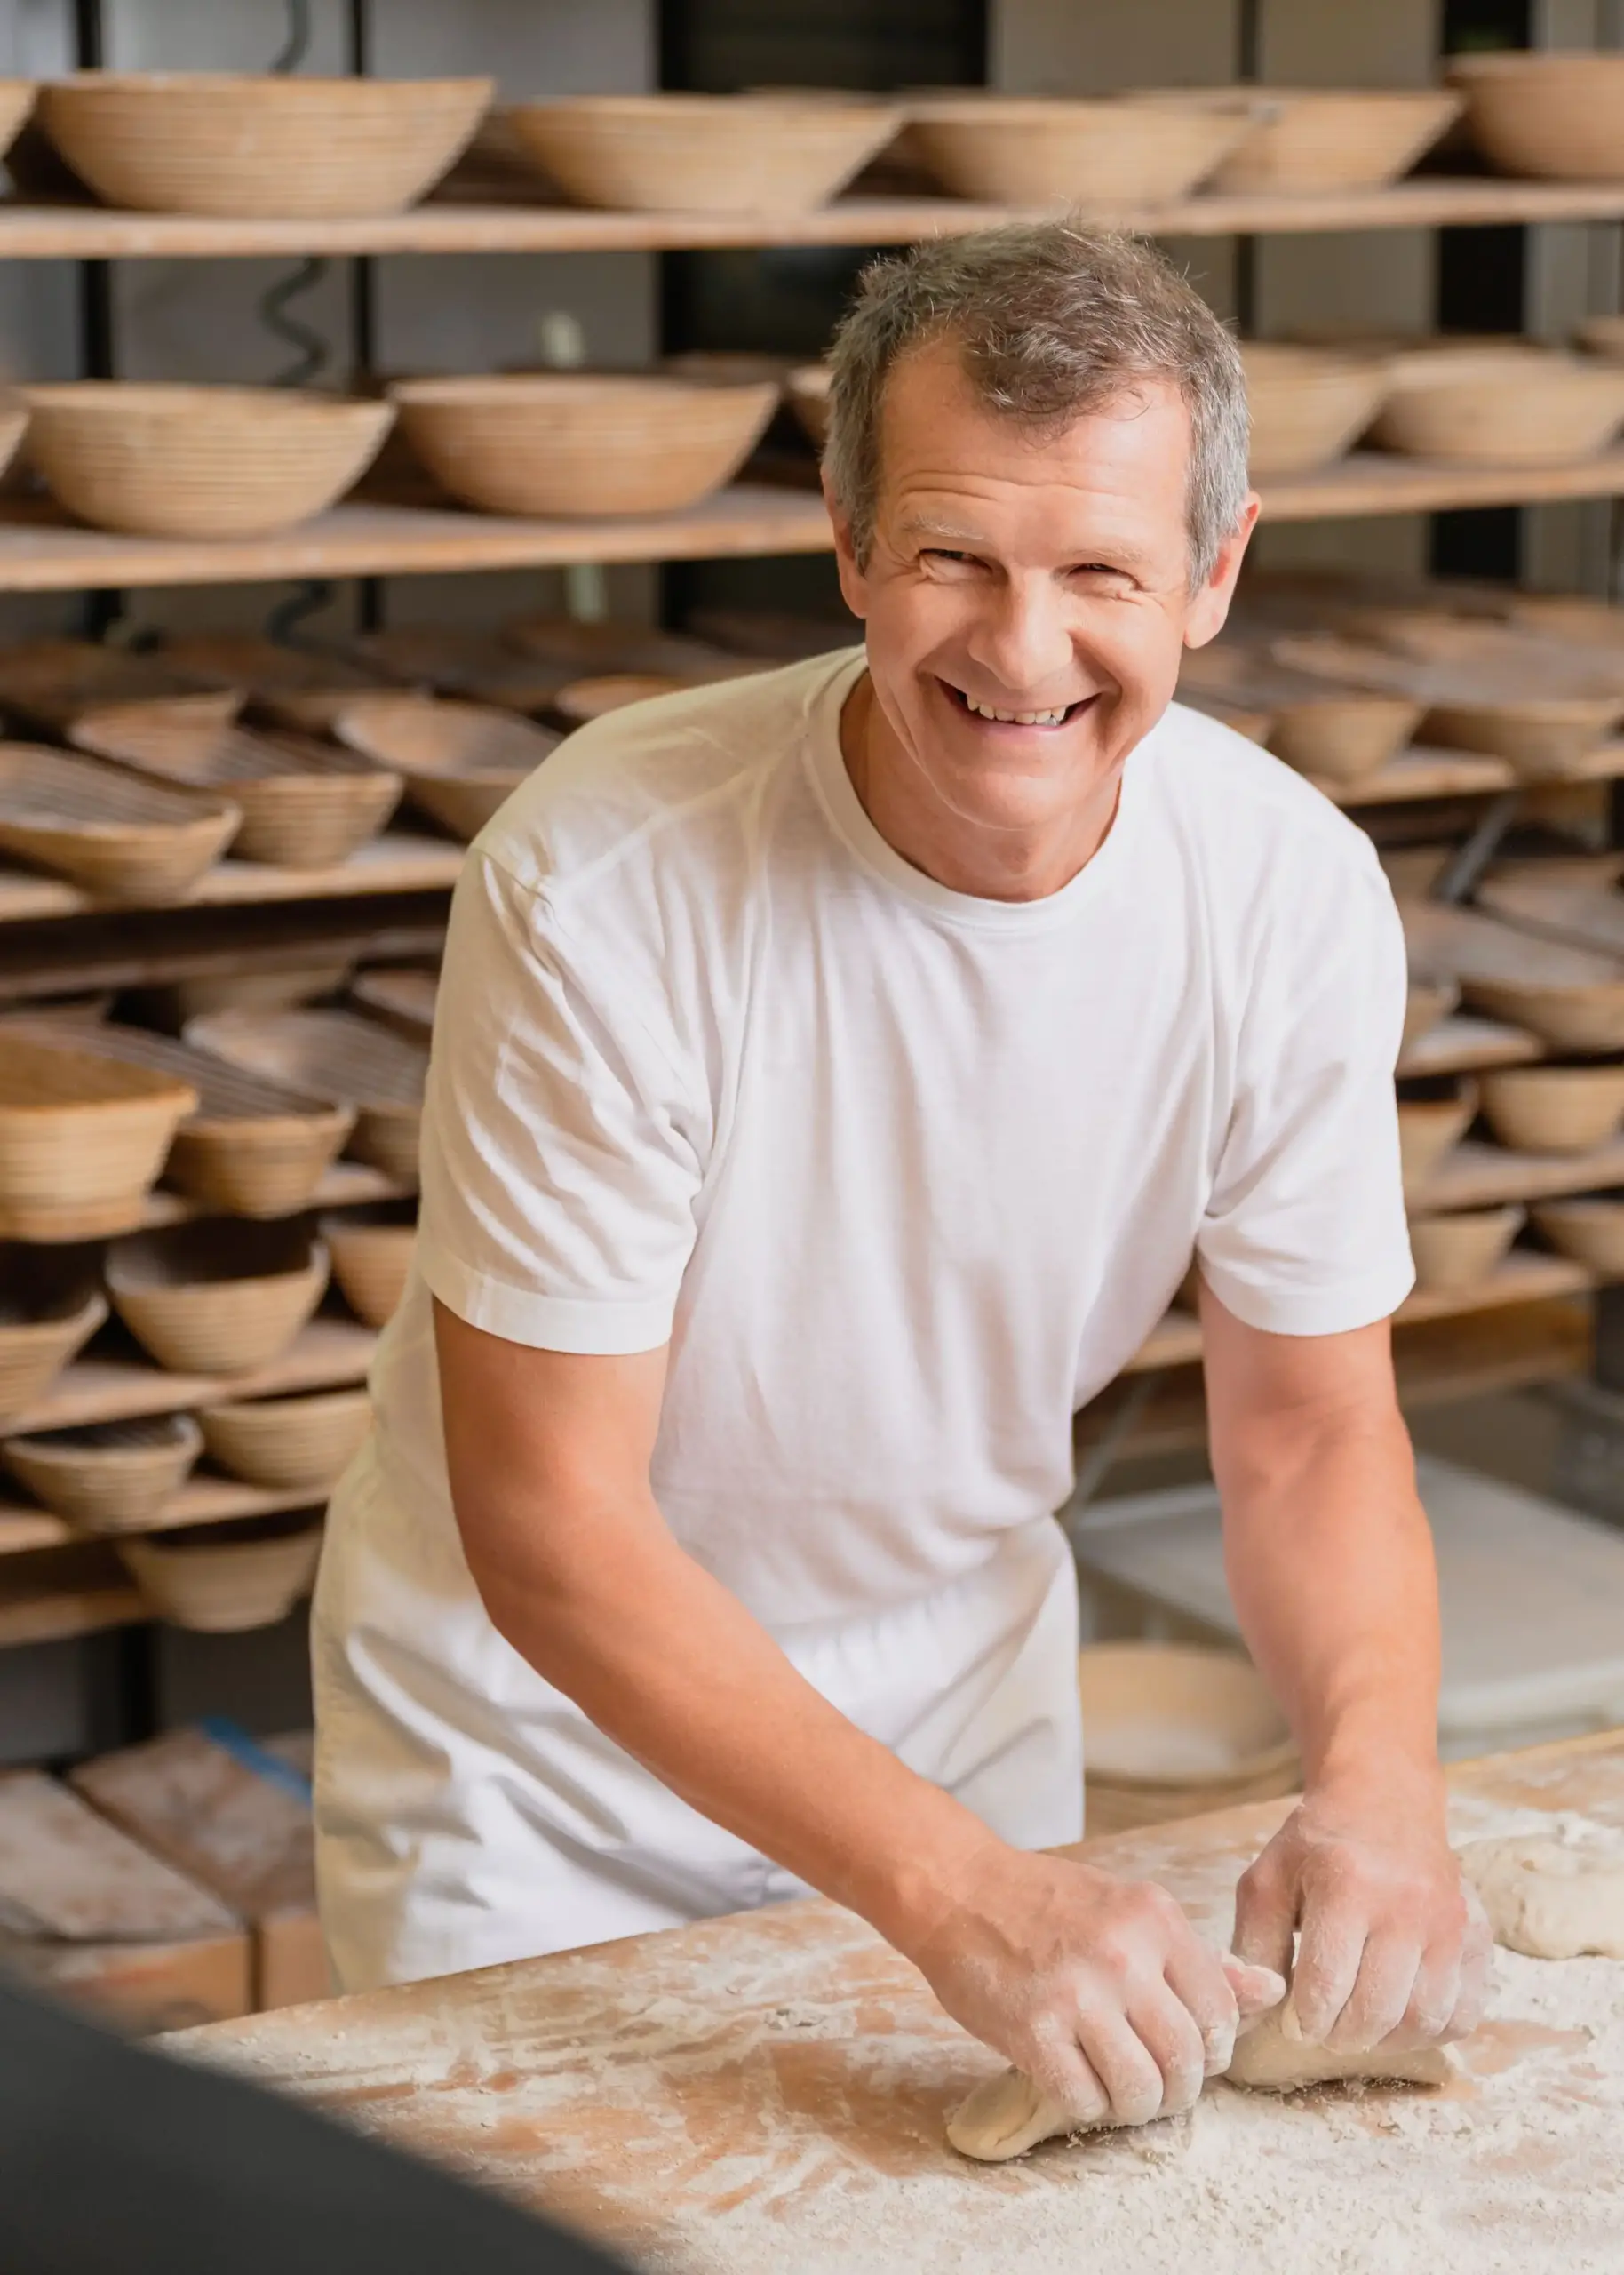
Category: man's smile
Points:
column 1004, row 715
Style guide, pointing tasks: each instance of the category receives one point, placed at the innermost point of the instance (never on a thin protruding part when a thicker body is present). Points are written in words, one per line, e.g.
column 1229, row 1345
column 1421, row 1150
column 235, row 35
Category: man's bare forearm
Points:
column 668, row 1663
column 1330, row 1566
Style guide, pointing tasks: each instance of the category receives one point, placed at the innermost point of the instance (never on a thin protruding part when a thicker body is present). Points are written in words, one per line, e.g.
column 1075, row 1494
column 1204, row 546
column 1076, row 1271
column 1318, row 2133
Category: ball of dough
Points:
column 1547, row 1899
column 1007, row 2115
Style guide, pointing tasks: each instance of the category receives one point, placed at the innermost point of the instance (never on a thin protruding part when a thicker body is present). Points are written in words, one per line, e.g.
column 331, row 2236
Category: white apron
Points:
column 467, row 1813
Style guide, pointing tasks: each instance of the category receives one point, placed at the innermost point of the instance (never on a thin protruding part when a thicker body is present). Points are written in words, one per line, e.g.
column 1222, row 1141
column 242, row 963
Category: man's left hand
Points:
column 1390, row 1940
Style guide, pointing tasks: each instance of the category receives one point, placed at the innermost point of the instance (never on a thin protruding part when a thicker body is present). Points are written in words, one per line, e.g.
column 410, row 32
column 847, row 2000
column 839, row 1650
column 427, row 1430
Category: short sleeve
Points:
column 1304, row 1231
column 562, row 1151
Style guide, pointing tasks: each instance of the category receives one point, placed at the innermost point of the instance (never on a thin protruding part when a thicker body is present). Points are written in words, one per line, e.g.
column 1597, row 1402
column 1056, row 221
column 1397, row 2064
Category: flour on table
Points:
column 1551, row 1898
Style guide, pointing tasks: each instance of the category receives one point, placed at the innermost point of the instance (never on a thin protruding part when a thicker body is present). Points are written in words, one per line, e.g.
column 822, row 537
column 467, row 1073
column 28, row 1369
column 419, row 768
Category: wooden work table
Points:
column 767, row 2093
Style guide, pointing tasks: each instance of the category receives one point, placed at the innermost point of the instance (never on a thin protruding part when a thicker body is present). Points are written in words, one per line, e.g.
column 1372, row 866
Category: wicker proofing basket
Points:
column 1591, row 1230
column 253, row 1148
column 1426, row 1002
column 165, row 459
column 1309, row 404
column 1429, row 1128
column 1515, row 406
column 1554, row 1109
column 711, row 153
column 568, row 442
column 807, row 390
column 224, row 1578
column 17, row 97
column 144, row 844
column 333, row 1055
column 13, row 423
column 1171, row 1730
column 404, row 997
column 371, row 1257
column 305, row 804
column 288, row 1444
column 217, row 1296
column 1305, row 140
column 40, row 1330
column 1459, row 1250
column 267, row 147
column 82, row 1139
column 112, row 1477
column 1557, row 115
column 460, row 761
column 1031, row 150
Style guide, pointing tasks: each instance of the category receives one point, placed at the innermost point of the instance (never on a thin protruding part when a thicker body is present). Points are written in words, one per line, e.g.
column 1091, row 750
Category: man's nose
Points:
column 1025, row 640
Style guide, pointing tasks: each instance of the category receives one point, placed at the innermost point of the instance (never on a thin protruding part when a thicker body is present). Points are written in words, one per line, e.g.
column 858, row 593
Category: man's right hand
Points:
column 1098, row 1988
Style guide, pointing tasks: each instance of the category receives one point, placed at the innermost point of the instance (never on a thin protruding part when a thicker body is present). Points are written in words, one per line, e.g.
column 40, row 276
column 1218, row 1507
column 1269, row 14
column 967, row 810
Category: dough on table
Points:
column 1007, row 2115
column 1551, row 1899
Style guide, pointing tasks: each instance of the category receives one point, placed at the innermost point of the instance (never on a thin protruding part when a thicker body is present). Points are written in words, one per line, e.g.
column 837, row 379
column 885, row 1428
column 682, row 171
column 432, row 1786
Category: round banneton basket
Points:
column 143, row 843
column 13, row 424
column 220, row 1295
column 334, row 1055
column 1459, row 1250
column 269, row 146
column 82, row 1139
column 17, row 99
column 110, row 1477
column 574, row 443
column 1591, row 1230
column 162, row 458
column 41, row 1326
column 1429, row 1127
column 1309, row 404
column 1033, row 150
column 294, row 1444
column 806, row 388
column 223, row 1578
column 304, row 804
column 460, row 761
column 372, row 1257
column 1560, row 115
column 1498, row 406
column 1554, row 1109
column 1307, row 139
column 1426, row 1002
column 706, row 154
column 1171, row 1730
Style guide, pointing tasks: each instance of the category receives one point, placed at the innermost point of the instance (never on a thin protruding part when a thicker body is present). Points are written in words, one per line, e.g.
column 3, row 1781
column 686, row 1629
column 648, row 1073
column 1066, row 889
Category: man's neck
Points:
column 988, row 865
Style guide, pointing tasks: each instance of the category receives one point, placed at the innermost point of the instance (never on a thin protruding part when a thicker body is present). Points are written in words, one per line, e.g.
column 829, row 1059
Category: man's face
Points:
column 1048, row 578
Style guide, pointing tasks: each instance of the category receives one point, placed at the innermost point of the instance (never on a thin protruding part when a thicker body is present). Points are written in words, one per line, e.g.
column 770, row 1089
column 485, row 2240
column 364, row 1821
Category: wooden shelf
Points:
column 1370, row 483
column 397, row 862
column 1477, row 1176
column 205, row 1499
column 1523, row 1278
column 118, row 1384
column 40, row 552
column 67, row 1592
column 1464, row 1045
column 1423, row 773
column 1480, row 1354
column 452, row 225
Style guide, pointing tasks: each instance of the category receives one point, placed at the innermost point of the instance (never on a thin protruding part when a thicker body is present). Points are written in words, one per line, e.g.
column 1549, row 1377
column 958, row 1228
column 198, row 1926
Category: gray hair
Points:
column 1051, row 320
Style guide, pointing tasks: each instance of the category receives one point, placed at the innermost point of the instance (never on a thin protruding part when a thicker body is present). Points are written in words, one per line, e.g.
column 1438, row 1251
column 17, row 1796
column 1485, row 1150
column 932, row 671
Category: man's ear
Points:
column 854, row 584
column 1211, row 605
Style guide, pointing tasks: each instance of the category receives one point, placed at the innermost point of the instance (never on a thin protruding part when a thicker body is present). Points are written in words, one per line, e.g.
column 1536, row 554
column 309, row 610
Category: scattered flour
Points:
column 771, row 2094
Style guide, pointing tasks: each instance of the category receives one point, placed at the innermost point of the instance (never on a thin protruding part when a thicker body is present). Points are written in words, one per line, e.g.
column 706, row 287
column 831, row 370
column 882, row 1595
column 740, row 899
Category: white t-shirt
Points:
column 903, row 1176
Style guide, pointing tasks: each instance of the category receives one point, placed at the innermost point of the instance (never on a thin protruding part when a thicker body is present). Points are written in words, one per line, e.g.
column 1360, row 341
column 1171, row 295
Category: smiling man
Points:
column 834, row 1072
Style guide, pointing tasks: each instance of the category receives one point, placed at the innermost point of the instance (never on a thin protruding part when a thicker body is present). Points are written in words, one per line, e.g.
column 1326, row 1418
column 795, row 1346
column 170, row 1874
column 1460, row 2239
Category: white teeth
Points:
column 1016, row 718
